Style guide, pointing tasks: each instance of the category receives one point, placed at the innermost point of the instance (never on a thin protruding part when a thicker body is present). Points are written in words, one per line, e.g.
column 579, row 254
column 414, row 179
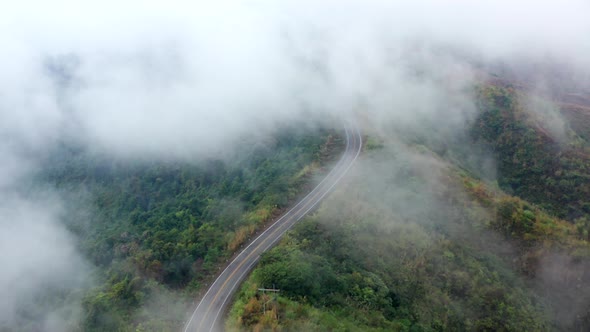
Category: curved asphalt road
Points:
column 208, row 315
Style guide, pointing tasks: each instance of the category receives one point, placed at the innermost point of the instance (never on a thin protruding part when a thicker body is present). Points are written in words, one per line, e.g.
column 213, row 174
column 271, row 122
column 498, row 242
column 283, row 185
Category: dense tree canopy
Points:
column 161, row 228
column 420, row 242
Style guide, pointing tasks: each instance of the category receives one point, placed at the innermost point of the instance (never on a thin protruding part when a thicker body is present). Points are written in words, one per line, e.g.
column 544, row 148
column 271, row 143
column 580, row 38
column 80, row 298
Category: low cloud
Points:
column 185, row 80
column 191, row 79
column 40, row 265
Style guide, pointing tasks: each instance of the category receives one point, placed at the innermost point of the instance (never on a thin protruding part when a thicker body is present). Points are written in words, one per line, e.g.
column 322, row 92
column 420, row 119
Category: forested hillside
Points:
column 419, row 241
column 546, row 165
column 157, row 231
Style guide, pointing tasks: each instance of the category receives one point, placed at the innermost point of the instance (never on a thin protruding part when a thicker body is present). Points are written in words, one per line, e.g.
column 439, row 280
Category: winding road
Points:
column 208, row 316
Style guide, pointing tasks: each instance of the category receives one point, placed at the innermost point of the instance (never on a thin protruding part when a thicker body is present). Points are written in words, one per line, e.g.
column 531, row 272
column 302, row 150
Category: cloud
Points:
column 192, row 78
column 187, row 80
column 40, row 264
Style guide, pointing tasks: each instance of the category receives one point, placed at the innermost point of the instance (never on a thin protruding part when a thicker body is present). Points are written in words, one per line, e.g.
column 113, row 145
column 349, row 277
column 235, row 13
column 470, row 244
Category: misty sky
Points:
column 189, row 79
column 146, row 77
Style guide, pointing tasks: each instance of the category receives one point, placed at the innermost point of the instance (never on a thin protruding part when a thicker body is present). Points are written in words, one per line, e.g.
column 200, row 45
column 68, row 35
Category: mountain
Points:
column 481, row 230
column 156, row 231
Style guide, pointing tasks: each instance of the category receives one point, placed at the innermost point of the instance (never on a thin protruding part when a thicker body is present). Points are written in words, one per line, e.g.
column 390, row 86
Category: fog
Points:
column 188, row 80
column 40, row 265
column 146, row 78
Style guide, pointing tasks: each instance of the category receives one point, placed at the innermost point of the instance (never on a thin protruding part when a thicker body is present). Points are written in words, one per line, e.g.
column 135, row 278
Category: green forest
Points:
column 157, row 231
column 418, row 237
column 418, row 240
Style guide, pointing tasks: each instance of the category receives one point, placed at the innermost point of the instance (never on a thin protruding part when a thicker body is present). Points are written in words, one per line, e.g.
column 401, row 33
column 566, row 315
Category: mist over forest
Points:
column 142, row 143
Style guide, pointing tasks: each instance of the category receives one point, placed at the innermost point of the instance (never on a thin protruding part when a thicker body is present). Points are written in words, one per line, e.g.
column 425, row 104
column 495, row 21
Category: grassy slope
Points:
column 156, row 229
column 467, row 256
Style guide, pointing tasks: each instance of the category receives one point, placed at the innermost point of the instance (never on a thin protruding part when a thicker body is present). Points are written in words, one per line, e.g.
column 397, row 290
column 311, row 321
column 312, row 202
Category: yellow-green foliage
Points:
column 372, row 143
column 170, row 225
column 437, row 260
column 532, row 163
column 518, row 219
column 240, row 236
column 259, row 216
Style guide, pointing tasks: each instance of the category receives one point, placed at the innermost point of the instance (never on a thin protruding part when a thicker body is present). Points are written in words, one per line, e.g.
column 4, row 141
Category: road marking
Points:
column 284, row 231
column 285, row 222
column 309, row 202
column 282, row 225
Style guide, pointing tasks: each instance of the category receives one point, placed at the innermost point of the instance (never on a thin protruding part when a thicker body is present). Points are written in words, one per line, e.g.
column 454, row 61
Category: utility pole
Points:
column 272, row 290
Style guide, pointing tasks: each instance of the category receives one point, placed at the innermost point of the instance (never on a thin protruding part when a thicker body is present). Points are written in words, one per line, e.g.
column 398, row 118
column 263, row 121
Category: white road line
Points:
column 276, row 226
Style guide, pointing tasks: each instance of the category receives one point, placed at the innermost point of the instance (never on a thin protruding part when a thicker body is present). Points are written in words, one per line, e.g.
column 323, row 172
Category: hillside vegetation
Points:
column 417, row 242
column 156, row 231
column 533, row 162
